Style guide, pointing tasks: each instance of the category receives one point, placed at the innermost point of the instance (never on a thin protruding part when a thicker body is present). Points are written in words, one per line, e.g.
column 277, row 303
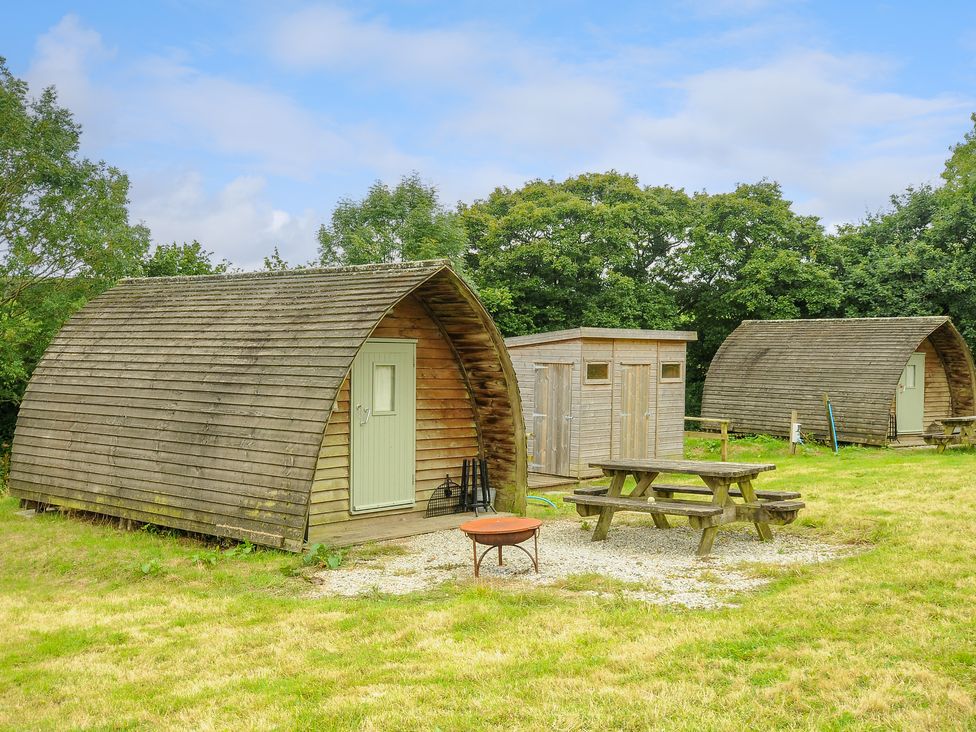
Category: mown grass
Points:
column 885, row 639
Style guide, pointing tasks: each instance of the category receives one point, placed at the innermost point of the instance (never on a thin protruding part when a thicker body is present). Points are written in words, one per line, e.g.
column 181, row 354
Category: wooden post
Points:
column 793, row 432
column 725, row 440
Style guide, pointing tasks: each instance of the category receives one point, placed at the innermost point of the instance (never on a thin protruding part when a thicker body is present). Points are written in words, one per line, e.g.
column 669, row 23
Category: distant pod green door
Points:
column 910, row 397
column 383, row 425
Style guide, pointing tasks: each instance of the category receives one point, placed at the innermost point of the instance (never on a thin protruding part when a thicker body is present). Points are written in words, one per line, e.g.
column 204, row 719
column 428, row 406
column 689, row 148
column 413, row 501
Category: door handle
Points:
column 368, row 412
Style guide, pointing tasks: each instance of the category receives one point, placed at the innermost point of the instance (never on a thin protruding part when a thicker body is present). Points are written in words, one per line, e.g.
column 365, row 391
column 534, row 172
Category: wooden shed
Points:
column 591, row 394
column 282, row 408
column 886, row 377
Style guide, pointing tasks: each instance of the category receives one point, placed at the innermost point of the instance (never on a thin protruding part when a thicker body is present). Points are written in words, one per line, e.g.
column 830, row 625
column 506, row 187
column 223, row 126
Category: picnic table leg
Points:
column 745, row 485
column 644, row 481
column 706, row 541
column 947, row 430
column 720, row 495
column 606, row 513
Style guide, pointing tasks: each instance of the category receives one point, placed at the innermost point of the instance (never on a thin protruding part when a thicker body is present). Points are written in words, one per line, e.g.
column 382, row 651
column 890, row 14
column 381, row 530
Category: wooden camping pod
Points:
column 766, row 368
column 220, row 404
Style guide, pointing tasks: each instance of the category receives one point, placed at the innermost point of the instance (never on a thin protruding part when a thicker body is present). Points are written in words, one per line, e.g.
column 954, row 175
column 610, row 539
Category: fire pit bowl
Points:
column 502, row 531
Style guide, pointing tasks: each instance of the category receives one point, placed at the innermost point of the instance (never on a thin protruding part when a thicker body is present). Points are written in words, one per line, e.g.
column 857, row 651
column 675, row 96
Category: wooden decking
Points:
column 400, row 526
column 908, row 441
column 543, row 481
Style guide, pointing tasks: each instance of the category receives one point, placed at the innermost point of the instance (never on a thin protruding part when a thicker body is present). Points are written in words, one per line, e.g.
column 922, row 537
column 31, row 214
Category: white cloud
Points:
column 810, row 120
column 821, row 124
column 64, row 57
column 237, row 222
column 327, row 36
column 553, row 111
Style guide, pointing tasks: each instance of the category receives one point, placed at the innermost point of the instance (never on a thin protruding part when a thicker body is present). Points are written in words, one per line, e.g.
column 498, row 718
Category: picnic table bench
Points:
column 723, row 482
column 955, row 430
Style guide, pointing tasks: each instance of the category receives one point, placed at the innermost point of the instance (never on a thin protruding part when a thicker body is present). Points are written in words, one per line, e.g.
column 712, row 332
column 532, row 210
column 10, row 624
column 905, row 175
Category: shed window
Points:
column 384, row 388
column 671, row 371
column 597, row 372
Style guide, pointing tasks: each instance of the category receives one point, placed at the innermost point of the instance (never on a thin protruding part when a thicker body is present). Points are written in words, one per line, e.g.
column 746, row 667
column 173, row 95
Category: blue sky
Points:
column 241, row 124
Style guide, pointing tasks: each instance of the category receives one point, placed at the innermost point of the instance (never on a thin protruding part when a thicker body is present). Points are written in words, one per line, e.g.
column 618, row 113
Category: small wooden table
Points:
column 502, row 531
column 723, row 482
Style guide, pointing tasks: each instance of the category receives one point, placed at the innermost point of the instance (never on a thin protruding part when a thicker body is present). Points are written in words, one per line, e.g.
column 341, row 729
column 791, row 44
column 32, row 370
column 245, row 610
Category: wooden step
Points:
column 673, row 508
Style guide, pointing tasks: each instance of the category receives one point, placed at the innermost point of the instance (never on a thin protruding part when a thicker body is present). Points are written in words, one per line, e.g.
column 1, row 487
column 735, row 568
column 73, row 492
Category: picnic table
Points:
column 723, row 484
column 966, row 433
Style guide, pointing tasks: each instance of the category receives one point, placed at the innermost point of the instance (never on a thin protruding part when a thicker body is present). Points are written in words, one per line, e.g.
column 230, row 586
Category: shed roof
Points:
column 204, row 399
column 601, row 333
column 765, row 369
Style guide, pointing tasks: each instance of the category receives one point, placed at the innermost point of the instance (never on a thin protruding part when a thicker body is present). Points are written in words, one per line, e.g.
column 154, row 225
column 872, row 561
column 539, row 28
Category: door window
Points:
column 384, row 388
column 910, row 376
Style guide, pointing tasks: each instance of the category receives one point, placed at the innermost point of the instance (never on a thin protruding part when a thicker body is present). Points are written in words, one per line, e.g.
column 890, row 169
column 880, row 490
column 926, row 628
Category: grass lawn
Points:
column 885, row 639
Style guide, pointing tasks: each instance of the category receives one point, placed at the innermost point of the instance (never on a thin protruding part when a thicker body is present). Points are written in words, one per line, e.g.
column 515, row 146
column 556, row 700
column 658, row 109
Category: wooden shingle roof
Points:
column 204, row 399
column 765, row 369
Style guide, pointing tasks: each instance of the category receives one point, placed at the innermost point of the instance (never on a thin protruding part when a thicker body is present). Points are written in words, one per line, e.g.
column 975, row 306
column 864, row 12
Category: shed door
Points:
column 552, row 417
column 910, row 397
column 635, row 410
column 382, row 426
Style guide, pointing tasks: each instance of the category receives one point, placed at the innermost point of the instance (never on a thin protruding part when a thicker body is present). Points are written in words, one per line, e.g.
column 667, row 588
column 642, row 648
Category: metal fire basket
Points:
column 446, row 499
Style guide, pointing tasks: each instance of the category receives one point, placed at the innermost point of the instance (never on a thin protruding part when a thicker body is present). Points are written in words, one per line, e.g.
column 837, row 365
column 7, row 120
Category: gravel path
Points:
column 642, row 563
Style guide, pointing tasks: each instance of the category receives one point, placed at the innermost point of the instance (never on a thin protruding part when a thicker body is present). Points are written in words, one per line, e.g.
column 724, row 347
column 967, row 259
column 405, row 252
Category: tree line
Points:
column 598, row 249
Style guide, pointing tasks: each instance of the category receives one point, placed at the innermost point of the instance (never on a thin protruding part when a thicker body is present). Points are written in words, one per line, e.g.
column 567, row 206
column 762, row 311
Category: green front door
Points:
column 910, row 397
column 383, row 425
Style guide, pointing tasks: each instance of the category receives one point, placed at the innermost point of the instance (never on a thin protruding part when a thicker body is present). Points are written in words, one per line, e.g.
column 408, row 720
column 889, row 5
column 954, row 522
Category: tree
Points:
column 749, row 256
column 275, row 263
column 64, row 230
column 592, row 250
column 918, row 257
column 171, row 260
column 392, row 225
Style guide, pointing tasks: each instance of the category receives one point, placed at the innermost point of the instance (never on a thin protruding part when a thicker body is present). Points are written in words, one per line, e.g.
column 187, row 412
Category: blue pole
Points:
column 833, row 427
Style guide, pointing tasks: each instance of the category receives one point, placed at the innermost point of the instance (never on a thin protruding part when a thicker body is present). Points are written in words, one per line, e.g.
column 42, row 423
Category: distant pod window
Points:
column 671, row 371
column 597, row 372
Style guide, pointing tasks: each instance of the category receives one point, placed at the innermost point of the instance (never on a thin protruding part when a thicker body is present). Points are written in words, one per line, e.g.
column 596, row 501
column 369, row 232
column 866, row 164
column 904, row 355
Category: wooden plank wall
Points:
column 670, row 402
column 524, row 359
column 958, row 364
column 633, row 352
column 491, row 381
column 937, row 401
column 596, row 416
column 446, row 428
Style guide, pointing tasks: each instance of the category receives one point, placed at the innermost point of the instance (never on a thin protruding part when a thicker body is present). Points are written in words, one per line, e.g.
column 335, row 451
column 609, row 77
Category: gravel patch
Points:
column 654, row 566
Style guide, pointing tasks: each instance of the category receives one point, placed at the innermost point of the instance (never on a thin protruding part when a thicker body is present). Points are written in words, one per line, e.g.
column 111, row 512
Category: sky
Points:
column 241, row 124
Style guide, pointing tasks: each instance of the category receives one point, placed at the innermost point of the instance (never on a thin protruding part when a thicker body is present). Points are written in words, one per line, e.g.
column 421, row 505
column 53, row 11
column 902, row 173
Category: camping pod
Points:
column 282, row 408
column 889, row 380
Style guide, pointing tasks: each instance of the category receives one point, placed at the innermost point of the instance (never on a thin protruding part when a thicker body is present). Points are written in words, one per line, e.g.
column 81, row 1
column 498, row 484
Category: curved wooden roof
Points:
column 766, row 368
column 200, row 402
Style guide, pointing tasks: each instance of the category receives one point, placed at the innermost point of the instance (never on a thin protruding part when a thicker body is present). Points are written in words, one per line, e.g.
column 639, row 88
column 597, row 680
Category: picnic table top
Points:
column 959, row 420
column 704, row 468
